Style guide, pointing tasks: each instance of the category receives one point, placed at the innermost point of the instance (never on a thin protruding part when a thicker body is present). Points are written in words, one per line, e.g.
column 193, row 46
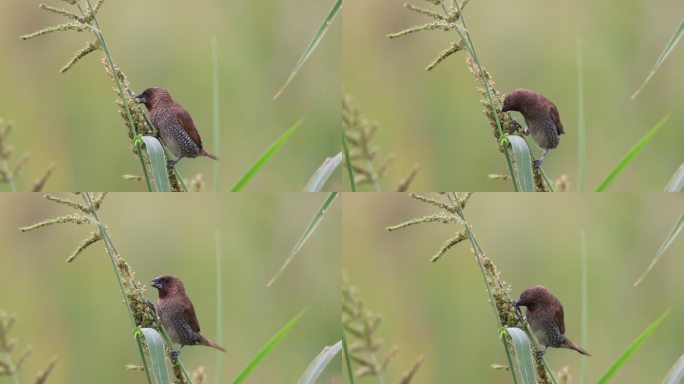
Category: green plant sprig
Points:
column 9, row 175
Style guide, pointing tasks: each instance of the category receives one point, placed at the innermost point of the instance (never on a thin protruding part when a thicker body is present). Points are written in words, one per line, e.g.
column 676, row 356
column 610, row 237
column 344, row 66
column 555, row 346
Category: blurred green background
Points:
column 435, row 117
column 75, row 310
column 71, row 118
column 440, row 310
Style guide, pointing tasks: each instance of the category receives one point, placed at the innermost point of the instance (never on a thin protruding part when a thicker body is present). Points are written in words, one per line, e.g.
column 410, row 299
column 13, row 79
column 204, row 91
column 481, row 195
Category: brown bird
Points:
column 176, row 128
column 178, row 314
column 545, row 316
column 541, row 117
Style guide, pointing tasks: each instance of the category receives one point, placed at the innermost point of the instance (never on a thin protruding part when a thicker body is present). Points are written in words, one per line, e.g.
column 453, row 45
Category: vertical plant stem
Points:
column 142, row 357
column 219, row 305
column 103, row 44
column 585, row 303
column 580, row 120
column 347, row 161
column 346, row 358
column 216, row 116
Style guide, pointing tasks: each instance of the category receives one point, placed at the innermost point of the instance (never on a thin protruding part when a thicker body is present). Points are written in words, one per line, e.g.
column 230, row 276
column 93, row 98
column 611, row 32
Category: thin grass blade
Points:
column 580, row 119
column 265, row 156
column 307, row 233
column 268, row 347
column 523, row 353
column 630, row 155
column 666, row 52
column 219, row 304
column 318, row 365
column 155, row 152
column 312, row 45
column 523, row 163
column 676, row 183
column 666, row 244
column 155, row 344
column 216, row 114
column 631, row 349
column 322, row 174
column 347, row 360
column 347, row 162
column 585, row 301
column 676, row 374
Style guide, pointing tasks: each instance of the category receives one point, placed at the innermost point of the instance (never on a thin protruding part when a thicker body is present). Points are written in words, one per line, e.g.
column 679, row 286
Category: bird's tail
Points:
column 210, row 343
column 209, row 154
column 570, row 345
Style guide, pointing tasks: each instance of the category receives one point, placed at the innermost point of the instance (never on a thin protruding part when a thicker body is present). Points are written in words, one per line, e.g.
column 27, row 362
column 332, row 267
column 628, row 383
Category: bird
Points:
column 545, row 317
column 176, row 128
column 177, row 314
column 541, row 117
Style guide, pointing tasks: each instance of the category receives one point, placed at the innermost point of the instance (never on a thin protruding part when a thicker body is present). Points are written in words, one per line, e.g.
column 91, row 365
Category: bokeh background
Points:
column 71, row 118
column 440, row 310
column 75, row 310
column 435, row 117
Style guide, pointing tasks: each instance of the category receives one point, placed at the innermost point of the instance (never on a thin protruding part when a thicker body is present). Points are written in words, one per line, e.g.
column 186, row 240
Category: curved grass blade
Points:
column 155, row 345
column 523, row 353
column 307, row 233
column 322, row 174
column 347, row 162
column 155, row 152
column 312, row 45
column 265, row 156
column 630, row 155
column 523, row 162
column 676, row 183
column 347, row 360
column 268, row 347
column 666, row 52
column 318, row 365
column 631, row 349
column 666, row 244
column 676, row 374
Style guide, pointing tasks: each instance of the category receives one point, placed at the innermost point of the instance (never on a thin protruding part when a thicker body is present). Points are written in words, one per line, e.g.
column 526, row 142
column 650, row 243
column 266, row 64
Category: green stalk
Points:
column 347, row 161
column 585, row 302
column 219, row 305
column 580, row 119
column 103, row 44
column 216, row 116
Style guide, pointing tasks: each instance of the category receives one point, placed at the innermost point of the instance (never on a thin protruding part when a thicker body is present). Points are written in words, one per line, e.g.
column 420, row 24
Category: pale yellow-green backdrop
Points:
column 71, row 118
column 435, row 118
column 440, row 310
column 75, row 310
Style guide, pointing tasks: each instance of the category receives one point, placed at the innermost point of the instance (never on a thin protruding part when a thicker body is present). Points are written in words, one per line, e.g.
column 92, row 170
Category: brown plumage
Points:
column 541, row 117
column 545, row 316
column 176, row 128
column 177, row 314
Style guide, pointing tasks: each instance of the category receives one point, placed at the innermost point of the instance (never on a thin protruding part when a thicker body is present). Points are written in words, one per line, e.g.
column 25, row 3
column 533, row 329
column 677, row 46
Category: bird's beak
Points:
column 140, row 98
column 156, row 284
column 515, row 303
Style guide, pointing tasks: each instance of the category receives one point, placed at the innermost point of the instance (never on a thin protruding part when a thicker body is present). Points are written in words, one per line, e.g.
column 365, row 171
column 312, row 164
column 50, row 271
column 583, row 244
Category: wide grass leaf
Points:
column 155, row 152
column 631, row 349
column 265, row 156
column 676, row 183
column 666, row 52
column 523, row 353
column 666, row 244
column 268, row 347
column 630, row 155
column 322, row 174
column 523, row 163
column 155, row 344
column 313, row 44
column 307, row 233
column 318, row 365
column 676, row 373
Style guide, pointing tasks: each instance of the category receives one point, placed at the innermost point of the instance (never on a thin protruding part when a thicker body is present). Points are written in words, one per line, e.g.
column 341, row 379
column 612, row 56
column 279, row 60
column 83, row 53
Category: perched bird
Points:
column 545, row 316
column 178, row 315
column 541, row 117
column 176, row 128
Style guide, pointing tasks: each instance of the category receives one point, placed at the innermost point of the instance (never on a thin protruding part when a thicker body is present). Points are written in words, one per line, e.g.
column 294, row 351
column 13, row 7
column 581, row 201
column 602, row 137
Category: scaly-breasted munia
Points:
column 545, row 316
column 541, row 117
column 177, row 314
column 176, row 128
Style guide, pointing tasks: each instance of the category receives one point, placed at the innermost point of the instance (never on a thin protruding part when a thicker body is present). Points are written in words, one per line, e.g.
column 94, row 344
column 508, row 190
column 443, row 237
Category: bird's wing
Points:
column 560, row 319
column 188, row 125
column 190, row 317
column 553, row 111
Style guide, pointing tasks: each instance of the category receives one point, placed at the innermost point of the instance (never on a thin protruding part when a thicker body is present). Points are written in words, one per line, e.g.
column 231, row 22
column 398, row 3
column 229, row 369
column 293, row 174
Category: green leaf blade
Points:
column 666, row 244
column 268, row 347
column 523, row 353
column 666, row 52
column 676, row 374
column 323, row 173
column 155, row 345
column 630, row 155
column 244, row 180
column 523, row 163
column 676, row 183
column 318, row 365
column 155, row 153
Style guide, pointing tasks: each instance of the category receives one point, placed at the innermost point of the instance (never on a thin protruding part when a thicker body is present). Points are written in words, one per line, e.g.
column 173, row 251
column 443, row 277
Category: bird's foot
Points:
column 174, row 355
column 514, row 126
column 540, row 354
column 536, row 163
column 151, row 307
column 170, row 164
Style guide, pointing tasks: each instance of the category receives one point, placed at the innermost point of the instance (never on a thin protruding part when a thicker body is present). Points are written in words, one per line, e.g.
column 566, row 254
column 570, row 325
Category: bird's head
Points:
column 151, row 96
column 516, row 100
column 167, row 285
column 535, row 298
